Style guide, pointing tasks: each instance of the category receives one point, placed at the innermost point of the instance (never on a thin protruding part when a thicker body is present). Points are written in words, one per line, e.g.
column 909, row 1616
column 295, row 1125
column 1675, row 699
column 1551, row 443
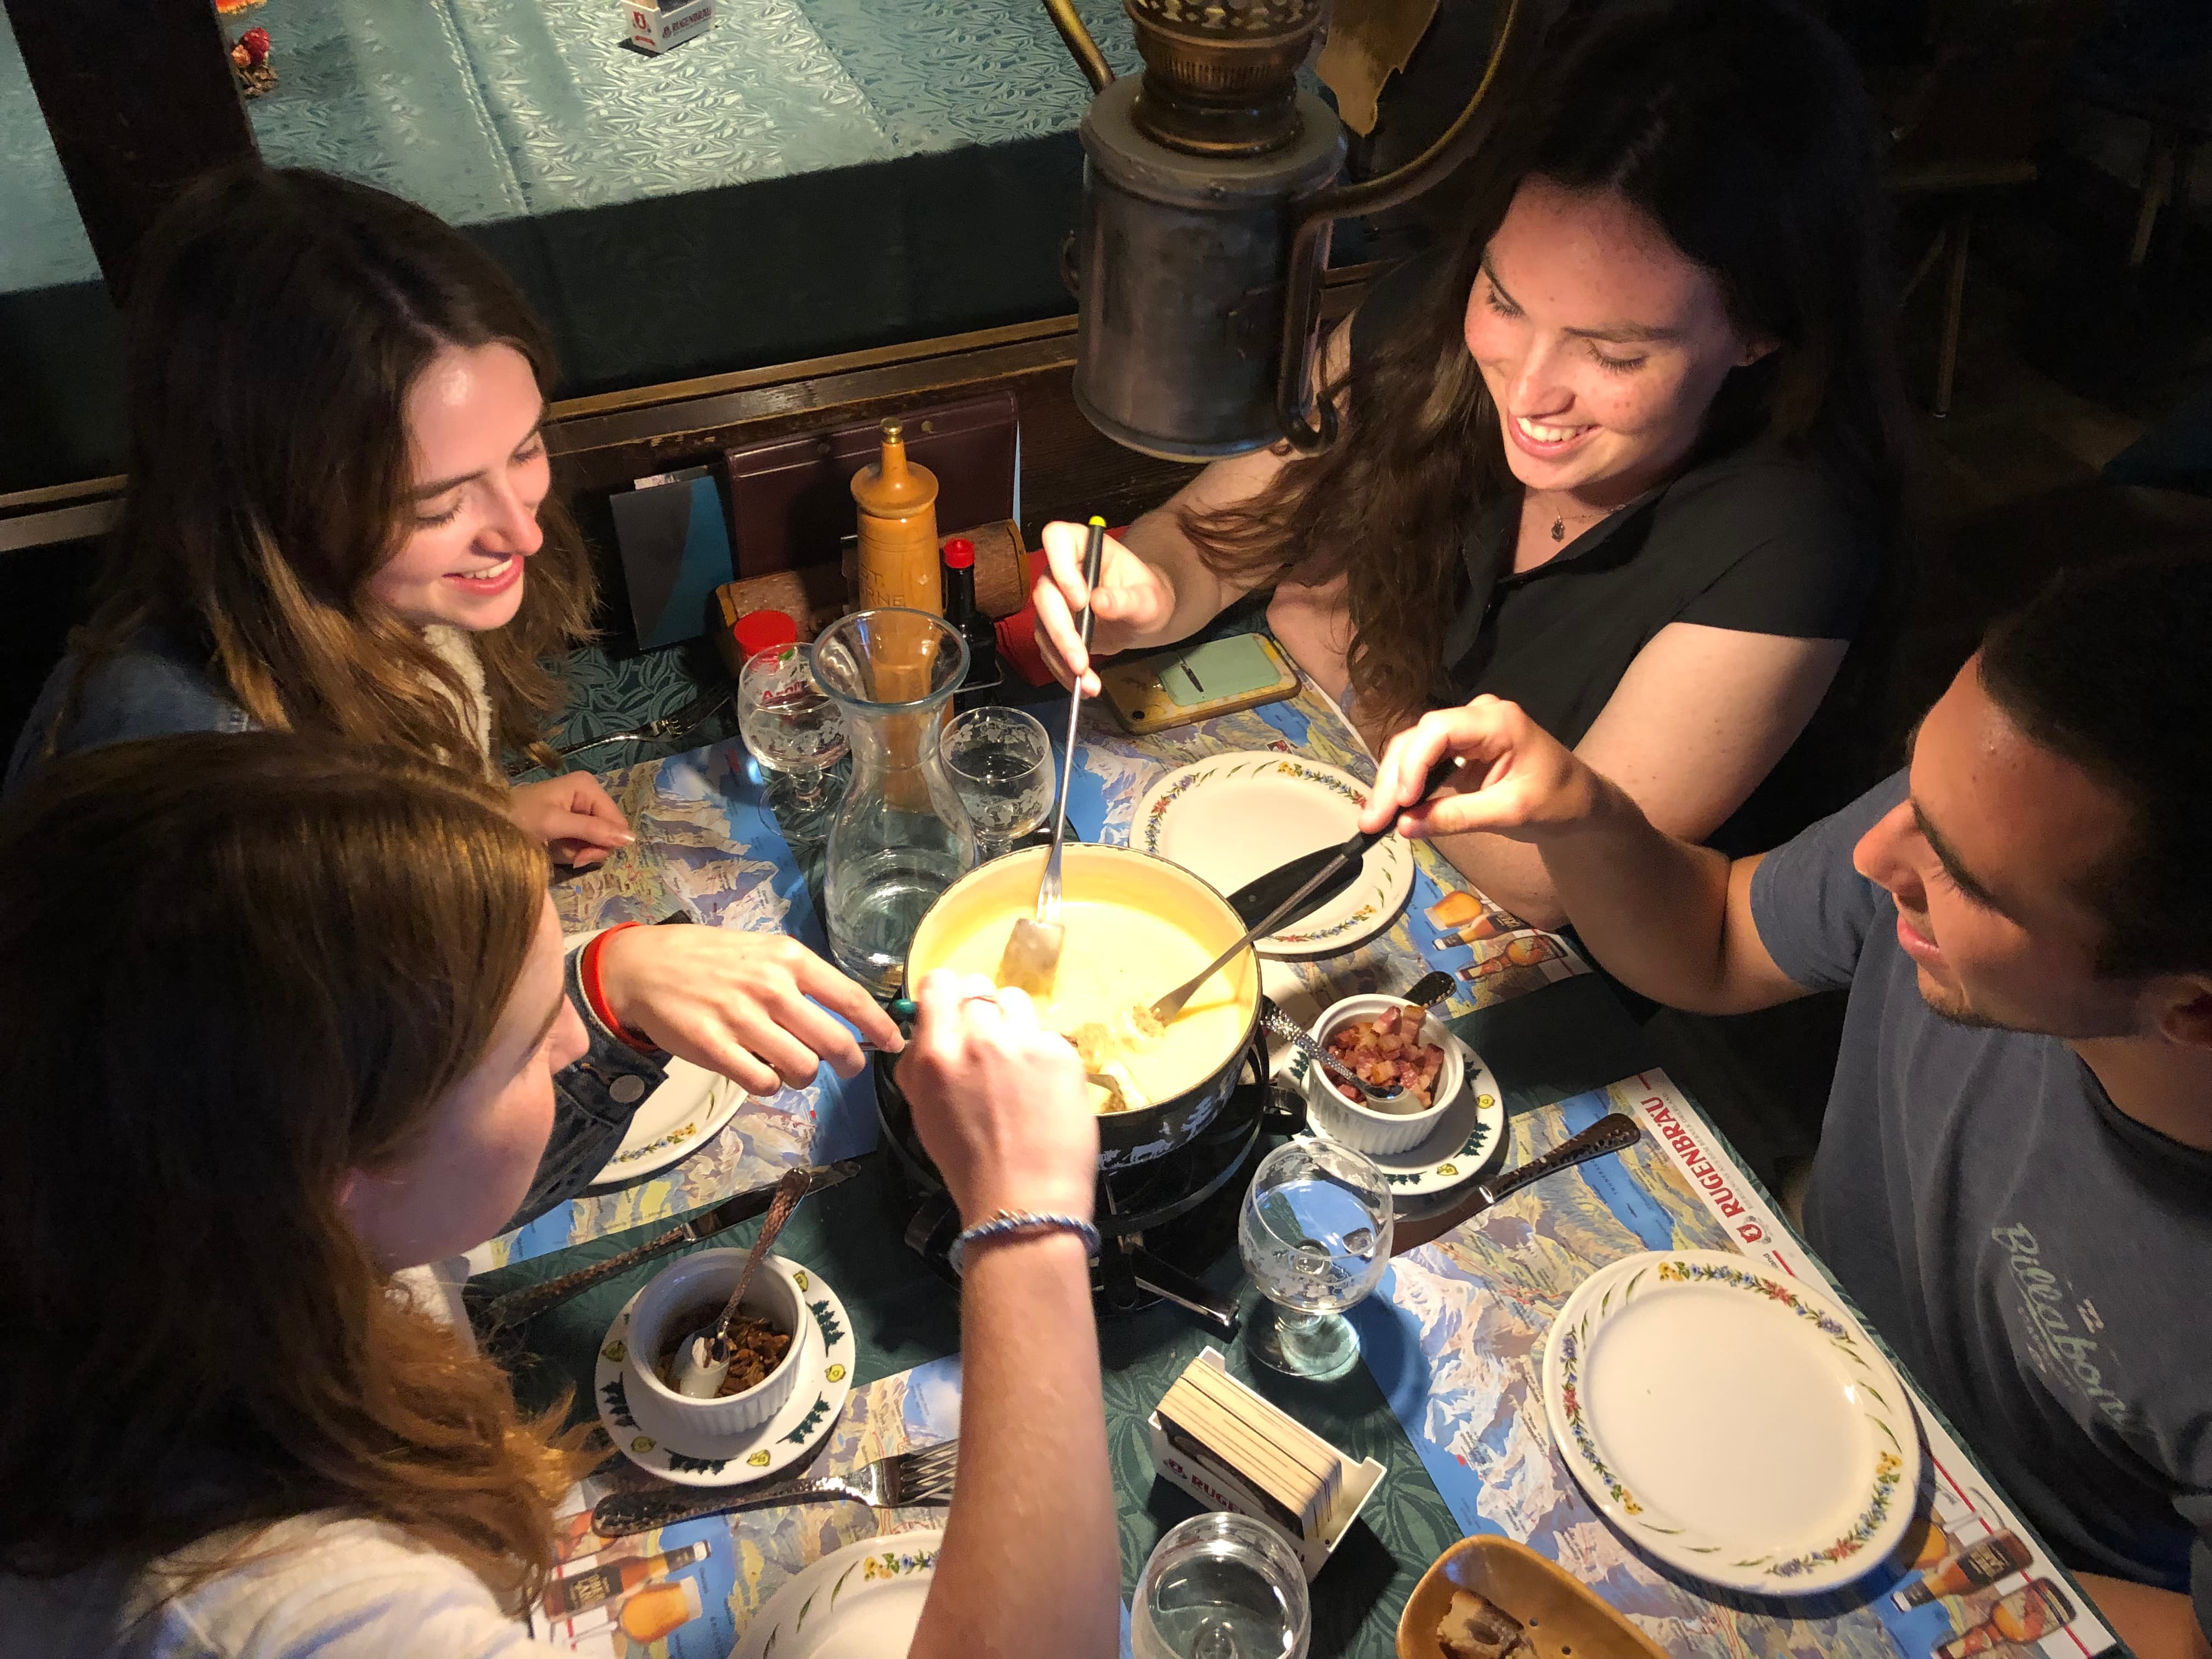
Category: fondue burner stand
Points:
column 1161, row 1223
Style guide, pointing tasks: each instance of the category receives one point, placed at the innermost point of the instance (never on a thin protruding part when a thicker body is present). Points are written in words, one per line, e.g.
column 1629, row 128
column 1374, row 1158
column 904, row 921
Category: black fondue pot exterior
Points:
column 1126, row 1138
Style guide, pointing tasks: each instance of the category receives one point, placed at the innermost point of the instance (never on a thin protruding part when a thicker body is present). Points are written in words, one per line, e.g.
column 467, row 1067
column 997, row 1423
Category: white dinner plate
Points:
column 807, row 1417
column 860, row 1603
column 682, row 1114
column 1466, row 1141
column 1231, row 818
column 1734, row 1421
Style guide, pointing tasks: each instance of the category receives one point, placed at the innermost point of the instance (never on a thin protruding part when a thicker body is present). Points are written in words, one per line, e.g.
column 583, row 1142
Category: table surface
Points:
column 1548, row 1042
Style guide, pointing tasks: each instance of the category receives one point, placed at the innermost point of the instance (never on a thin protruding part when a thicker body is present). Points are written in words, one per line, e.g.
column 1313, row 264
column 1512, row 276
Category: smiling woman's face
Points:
column 1602, row 343
column 480, row 472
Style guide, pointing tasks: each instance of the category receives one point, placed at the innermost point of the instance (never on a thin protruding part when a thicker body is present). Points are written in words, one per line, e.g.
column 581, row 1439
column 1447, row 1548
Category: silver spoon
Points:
column 703, row 1360
column 1302, row 1039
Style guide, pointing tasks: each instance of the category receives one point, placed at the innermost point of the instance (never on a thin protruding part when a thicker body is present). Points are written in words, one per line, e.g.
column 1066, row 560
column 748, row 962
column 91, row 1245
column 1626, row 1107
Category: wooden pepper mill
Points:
column 897, row 499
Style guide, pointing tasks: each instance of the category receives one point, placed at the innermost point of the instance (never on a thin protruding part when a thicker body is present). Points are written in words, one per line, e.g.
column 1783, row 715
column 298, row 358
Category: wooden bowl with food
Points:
column 1490, row 1598
column 1384, row 1040
column 689, row 1294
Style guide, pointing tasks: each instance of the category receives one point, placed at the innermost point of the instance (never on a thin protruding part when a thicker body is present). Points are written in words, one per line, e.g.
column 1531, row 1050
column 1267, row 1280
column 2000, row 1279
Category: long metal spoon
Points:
column 703, row 1361
column 1317, row 1053
column 1031, row 959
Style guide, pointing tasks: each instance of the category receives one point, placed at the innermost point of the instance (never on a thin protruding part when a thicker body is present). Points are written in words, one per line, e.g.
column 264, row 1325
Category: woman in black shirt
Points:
column 1626, row 455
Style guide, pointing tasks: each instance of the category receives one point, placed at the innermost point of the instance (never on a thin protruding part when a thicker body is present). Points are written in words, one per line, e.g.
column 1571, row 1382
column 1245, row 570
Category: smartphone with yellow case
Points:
column 1197, row 682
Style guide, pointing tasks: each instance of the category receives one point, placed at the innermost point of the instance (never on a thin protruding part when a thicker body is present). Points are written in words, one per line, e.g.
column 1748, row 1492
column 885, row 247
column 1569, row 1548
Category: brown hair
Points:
column 275, row 318
column 1739, row 128
column 240, row 967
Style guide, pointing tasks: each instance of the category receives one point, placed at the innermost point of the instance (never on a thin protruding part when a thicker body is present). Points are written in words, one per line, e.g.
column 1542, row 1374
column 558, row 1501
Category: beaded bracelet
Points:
column 1007, row 1222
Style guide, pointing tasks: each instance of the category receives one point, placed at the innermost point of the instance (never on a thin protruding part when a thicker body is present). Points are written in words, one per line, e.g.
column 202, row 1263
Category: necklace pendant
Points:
column 1559, row 529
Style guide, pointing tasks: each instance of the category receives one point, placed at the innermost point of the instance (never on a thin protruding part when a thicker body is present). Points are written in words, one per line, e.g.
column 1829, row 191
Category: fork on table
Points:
column 903, row 1479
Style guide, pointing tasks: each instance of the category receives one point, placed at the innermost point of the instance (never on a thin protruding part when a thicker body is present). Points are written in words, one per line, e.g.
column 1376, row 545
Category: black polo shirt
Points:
column 1753, row 539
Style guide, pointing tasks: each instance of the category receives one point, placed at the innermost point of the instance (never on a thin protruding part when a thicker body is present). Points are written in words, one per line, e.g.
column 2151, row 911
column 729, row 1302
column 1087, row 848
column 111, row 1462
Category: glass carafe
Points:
column 900, row 836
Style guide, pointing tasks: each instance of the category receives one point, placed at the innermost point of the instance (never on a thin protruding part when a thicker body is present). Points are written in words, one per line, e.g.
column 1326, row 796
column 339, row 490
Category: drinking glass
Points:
column 1314, row 1234
column 1221, row 1587
column 788, row 722
column 1001, row 764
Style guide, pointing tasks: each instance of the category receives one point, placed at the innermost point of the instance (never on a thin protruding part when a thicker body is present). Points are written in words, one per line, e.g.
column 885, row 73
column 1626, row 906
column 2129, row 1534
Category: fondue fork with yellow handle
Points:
column 1031, row 960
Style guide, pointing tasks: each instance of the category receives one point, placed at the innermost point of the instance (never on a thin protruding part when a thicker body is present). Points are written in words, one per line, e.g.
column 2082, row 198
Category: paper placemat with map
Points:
column 686, row 1591
column 1455, row 1339
column 710, row 846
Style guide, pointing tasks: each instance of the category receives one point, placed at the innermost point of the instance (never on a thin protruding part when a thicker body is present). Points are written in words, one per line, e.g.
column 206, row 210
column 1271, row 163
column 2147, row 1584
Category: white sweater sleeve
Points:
column 332, row 1589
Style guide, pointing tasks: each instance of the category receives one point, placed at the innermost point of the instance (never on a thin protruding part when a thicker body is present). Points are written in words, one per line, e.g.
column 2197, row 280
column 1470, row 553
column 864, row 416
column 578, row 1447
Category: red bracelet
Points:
column 587, row 970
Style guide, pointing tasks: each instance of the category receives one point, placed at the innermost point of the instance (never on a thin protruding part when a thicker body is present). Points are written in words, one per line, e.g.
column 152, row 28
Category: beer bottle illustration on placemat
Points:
column 2028, row 1615
column 1975, row 1567
column 566, row 1597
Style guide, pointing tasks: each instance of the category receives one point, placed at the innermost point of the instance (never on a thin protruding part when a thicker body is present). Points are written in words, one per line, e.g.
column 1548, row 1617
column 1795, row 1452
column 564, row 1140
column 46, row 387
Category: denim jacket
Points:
column 151, row 689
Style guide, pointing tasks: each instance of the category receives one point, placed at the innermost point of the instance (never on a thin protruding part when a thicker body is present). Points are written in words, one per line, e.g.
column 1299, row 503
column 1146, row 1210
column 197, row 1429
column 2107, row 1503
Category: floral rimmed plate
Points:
column 675, row 1120
column 793, row 1432
column 1231, row 818
column 1734, row 1421
column 859, row 1602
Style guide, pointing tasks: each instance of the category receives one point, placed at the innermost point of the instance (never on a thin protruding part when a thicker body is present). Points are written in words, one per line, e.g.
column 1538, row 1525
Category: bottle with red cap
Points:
column 763, row 630
column 965, row 614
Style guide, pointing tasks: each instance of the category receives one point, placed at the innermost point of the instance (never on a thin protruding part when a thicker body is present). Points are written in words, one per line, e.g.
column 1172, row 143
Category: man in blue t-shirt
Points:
column 2014, row 1179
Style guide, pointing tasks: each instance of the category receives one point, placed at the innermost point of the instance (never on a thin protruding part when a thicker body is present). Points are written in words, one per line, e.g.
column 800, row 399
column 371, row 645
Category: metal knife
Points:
column 520, row 1307
column 1610, row 1133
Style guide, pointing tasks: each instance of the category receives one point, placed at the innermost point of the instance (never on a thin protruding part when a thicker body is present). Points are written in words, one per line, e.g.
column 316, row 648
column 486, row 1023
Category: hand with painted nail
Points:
column 572, row 815
column 1132, row 609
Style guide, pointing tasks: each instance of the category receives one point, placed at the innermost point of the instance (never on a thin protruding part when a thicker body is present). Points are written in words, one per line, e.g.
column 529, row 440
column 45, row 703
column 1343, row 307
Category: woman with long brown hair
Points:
column 317, row 1049
column 1625, row 453
column 340, row 523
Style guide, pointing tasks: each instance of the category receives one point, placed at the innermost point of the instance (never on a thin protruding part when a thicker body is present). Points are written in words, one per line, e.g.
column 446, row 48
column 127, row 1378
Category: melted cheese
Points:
column 1117, row 956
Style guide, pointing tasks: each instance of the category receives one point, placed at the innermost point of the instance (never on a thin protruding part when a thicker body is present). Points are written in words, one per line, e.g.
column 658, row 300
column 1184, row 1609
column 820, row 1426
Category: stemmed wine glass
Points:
column 1001, row 761
column 1314, row 1234
column 1221, row 1586
column 788, row 722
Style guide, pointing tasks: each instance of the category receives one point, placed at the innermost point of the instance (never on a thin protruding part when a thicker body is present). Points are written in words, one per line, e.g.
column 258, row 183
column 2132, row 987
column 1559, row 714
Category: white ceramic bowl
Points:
column 682, row 1287
column 1364, row 1128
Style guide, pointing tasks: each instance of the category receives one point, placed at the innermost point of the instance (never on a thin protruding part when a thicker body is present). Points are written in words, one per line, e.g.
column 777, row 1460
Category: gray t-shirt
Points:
column 2036, row 1259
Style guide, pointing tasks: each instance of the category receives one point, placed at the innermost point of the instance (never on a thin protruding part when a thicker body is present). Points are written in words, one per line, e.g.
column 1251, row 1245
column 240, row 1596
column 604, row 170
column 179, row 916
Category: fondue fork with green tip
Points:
column 1031, row 960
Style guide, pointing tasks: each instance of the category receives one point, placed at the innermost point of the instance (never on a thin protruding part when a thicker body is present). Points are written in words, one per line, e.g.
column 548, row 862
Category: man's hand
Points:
column 999, row 1102
column 1514, row 778
column 748, row 1006
column 572, row 815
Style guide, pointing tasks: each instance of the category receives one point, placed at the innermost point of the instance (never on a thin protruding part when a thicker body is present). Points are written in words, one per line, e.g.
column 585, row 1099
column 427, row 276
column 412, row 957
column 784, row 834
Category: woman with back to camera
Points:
column 339, row 523
column 1626, row 453
column 236, row 1420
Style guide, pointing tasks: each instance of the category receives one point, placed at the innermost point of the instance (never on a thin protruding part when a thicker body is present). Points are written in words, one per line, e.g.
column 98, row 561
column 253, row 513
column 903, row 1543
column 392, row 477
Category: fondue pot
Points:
column 989, row 897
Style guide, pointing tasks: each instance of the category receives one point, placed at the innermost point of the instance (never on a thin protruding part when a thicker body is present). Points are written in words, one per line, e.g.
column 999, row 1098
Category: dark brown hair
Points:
column 2106, row 666
column 1739, row 129
column 240, row 967
column 275, row 321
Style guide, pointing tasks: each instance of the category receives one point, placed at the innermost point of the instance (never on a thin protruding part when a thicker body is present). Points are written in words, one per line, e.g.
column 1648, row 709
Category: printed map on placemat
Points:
column 708, row 846
column 687, row 1591
column 1456, row 1337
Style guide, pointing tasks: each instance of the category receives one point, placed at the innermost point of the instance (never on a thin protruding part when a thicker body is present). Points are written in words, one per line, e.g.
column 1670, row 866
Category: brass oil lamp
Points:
column 1210, row 185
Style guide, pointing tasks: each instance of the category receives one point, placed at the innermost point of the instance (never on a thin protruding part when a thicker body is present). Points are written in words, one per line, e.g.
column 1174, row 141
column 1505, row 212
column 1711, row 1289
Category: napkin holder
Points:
column 1211, row 1479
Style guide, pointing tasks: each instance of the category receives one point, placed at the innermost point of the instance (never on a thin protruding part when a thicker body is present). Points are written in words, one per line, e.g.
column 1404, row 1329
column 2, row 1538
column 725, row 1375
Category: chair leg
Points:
column 2157, row 190
column 1954, row 306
